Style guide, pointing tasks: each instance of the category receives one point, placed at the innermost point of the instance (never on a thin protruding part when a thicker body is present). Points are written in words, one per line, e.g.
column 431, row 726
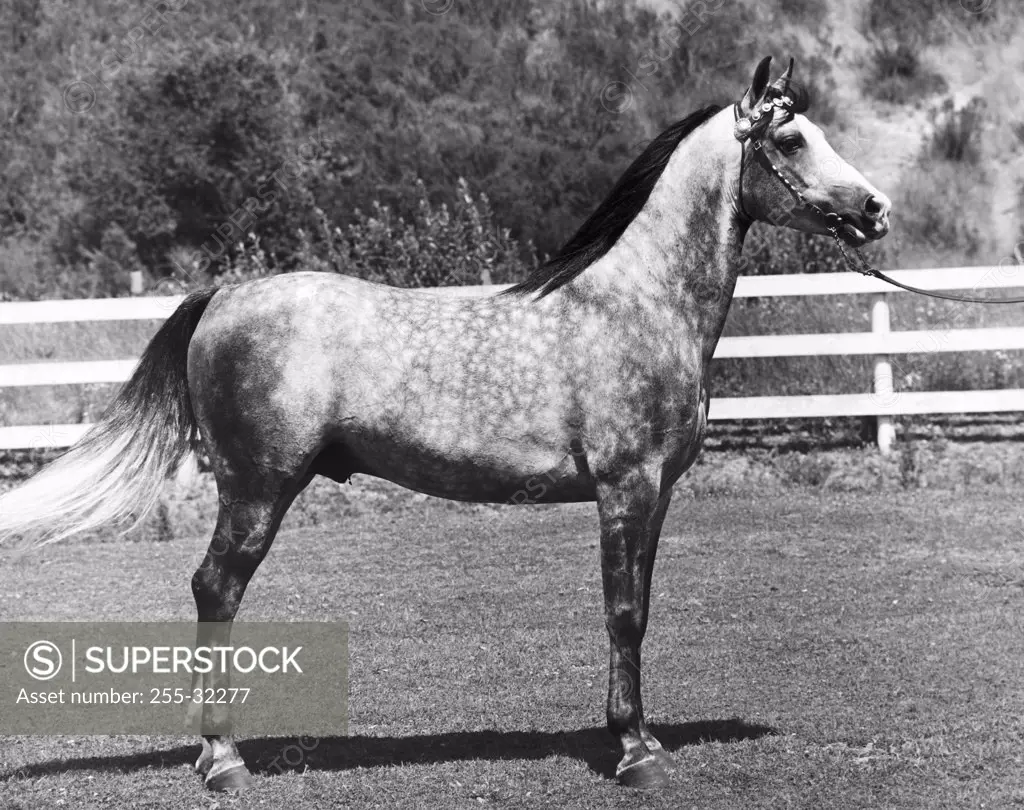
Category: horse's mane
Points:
column 603, row 228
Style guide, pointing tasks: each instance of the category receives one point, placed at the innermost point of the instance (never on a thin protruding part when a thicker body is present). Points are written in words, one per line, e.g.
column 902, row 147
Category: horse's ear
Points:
column 782, row 83
column 757, row 86
column 787, row 77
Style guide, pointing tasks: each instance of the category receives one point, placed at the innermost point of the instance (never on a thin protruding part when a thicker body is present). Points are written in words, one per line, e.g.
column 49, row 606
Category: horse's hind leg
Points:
column 251, row 509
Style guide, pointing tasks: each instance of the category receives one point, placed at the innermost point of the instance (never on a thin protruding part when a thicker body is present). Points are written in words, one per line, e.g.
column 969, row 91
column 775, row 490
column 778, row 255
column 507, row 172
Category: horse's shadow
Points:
column 271, row 756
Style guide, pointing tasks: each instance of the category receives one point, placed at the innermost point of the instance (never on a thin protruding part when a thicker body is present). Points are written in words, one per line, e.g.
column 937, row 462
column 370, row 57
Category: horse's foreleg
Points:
column 657, row 519
column 631, row 514
column 245, row 530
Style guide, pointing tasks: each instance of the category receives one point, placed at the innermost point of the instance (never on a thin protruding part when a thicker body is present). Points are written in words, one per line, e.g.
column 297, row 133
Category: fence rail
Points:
column 882, row 401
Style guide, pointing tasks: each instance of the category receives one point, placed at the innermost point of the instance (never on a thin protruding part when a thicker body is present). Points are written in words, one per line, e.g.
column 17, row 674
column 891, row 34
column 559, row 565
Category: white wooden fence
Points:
column 881, row 401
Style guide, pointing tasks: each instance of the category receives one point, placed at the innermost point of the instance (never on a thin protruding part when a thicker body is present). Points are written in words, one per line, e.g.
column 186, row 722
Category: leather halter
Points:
column 752, row 128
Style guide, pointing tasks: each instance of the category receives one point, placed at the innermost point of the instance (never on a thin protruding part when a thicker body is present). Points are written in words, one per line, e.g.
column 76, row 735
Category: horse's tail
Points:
column 115, row 471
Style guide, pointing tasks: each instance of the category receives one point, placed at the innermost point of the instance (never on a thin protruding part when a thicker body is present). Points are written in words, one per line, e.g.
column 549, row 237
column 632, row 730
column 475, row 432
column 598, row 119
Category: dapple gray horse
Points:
column 586, row 382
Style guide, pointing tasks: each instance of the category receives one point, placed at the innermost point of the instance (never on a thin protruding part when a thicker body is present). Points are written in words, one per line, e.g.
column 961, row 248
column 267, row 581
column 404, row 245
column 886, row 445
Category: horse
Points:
column 587, row 382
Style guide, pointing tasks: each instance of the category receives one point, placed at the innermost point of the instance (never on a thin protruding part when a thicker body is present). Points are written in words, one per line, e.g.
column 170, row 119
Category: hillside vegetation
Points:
column 133, row 135
column 442, row 141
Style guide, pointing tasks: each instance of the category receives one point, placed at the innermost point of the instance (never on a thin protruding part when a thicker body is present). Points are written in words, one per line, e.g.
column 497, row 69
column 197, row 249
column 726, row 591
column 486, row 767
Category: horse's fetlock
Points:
column 622, row 719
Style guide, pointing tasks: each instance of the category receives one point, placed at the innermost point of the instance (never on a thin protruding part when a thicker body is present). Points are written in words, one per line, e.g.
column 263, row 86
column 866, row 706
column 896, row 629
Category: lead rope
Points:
column 861, row 265
column 864, row 267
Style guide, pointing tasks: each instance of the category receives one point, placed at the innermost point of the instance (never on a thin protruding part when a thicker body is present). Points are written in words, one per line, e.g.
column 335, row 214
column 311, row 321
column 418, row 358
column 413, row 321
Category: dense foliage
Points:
column 450, row 142
column 159, row 137
column 415, row 141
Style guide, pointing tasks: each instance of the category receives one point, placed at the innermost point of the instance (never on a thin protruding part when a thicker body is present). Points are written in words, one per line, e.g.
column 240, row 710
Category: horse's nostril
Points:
column 872, row 205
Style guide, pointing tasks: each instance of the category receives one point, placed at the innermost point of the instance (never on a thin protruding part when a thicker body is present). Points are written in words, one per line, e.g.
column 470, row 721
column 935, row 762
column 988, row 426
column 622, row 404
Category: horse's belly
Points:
column 467, row 484
column 495, row 472
column 472, row 437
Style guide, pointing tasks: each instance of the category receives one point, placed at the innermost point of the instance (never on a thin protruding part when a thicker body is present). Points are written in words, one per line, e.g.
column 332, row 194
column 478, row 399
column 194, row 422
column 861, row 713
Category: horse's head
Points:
column 791, row 176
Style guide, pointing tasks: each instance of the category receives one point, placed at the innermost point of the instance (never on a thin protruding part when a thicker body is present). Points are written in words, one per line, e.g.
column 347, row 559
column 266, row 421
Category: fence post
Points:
column 135, row 282
column 884, row 393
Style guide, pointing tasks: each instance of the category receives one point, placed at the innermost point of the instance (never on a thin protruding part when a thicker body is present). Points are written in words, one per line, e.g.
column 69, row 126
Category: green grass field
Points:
column 805, row 650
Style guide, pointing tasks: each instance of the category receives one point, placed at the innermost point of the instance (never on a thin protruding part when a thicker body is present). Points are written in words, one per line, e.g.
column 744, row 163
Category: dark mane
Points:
column 604, row 227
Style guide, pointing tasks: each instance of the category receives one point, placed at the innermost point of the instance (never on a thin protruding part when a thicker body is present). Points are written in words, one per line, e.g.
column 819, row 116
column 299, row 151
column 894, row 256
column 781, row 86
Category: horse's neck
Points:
column 680, row 255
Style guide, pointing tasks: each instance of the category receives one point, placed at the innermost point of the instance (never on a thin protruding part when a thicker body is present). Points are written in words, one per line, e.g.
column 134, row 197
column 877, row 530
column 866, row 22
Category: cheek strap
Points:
column 743, row 159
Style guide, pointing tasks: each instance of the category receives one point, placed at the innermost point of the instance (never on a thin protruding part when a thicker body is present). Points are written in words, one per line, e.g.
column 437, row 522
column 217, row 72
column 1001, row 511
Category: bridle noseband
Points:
column 752, row 129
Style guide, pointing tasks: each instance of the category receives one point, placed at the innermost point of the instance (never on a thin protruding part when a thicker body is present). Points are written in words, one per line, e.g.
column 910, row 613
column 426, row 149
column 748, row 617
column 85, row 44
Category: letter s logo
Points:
column 43, row 660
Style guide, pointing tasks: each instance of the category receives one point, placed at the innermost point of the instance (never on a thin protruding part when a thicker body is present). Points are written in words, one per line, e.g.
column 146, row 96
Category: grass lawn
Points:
column 806, row 649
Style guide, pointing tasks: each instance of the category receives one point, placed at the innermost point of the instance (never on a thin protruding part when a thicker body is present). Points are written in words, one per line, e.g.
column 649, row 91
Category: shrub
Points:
column 194, row 139
column 1018, row 249
column 775, row 250
column 250, row 262
column 437, row 247
column 1017, row 127
column 810, row 12
column 944, row 199
column 929, row 21
column 886, row 17
column 897, row 74
column 816, row 76
column 956, row 134
column 937, row 202
column 109, row 265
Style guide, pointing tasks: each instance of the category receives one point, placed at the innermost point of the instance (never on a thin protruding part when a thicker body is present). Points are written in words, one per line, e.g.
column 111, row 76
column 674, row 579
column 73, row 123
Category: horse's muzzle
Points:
column 876, row 210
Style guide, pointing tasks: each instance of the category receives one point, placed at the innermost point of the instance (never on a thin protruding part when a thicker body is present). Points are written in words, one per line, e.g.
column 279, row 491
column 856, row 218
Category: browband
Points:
column 755, row 124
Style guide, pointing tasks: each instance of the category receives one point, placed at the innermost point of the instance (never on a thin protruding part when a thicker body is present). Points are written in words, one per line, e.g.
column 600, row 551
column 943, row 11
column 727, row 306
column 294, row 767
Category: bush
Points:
column 929, row 21
column 513, row 97
column 195, row 139
column 26, row 270
column 770, row 249
column 110, row 265
column 935, row 203
column 437, row 247
column 816, row 76
column 888, row 17
column 956, row 133
column 897, row 74
column 944, row 198
column 809, row 12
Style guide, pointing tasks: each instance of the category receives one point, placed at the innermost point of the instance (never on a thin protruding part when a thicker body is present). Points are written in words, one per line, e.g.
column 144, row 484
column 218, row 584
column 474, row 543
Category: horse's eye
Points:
column 791, row 144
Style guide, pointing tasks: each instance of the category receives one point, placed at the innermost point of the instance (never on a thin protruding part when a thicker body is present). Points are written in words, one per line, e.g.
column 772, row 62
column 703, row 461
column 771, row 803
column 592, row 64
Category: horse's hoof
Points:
column 236, row 778
column 664, row 758
column 646, row 774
